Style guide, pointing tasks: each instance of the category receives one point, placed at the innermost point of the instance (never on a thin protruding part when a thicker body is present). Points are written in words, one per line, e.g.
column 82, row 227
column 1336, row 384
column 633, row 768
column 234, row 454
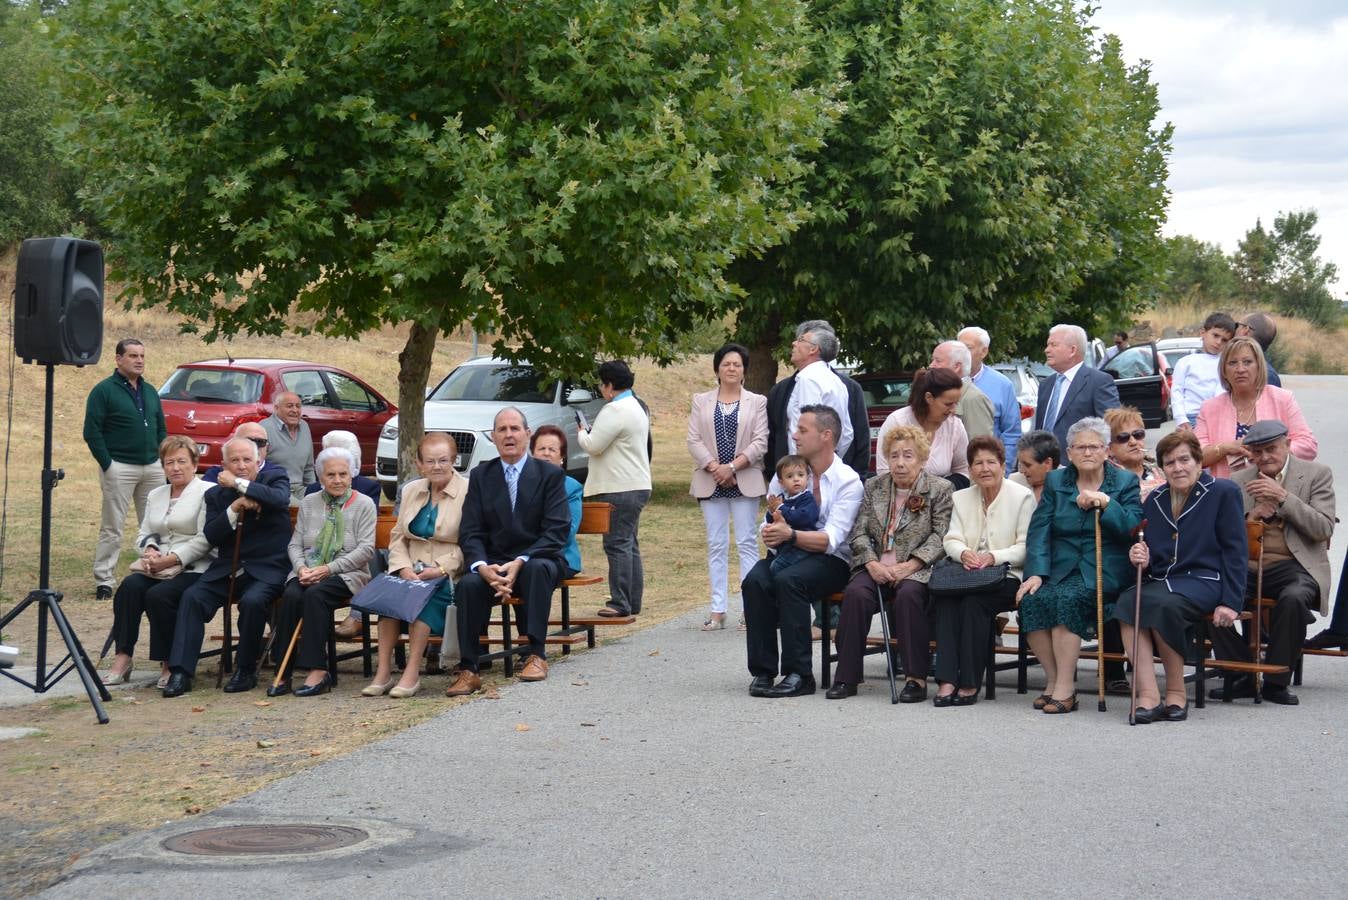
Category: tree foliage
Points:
column 36, row 190
column 997, row 163
column 1253, row 264
column 574, row 178
column 1301, row 279
column 1197, row 270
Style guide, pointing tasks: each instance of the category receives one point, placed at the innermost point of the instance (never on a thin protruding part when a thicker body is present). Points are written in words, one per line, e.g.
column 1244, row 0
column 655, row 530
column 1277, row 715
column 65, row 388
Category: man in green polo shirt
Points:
column 123, row 426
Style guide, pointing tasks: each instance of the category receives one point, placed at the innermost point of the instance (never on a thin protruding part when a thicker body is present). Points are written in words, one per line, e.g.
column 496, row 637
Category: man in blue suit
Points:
column 513, row 531
column 1077, row 391
column 256, row 500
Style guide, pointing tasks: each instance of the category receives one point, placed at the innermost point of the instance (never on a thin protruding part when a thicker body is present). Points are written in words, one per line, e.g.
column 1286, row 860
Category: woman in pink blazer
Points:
column 1224, row 419
column 727, row 437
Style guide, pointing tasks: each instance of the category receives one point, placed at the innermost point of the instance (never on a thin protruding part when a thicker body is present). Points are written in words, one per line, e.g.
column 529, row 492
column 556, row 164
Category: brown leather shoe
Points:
column 466, row 683
column 348, row 629
column 535, row 669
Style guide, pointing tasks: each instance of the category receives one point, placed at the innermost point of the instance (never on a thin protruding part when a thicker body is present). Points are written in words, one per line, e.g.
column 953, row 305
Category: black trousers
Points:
column 964, row 631
column 156, row 599
column 780, row 602
column 199, row 605
column 312, row 605
column 910, row 625
column 474, row 598
column 1296, row 593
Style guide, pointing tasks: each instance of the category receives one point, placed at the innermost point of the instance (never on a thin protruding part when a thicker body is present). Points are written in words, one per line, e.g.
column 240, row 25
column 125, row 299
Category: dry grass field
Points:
column 77, row 784
column 1303, row 348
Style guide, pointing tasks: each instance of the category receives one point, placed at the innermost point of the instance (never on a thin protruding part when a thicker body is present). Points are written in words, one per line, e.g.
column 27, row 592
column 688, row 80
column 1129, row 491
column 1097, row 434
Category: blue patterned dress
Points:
column 727, row 419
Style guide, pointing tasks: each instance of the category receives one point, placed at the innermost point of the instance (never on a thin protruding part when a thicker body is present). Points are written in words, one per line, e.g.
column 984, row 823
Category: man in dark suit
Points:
column 1077, row 391
column 514, row 528
column 1294, row 499
column 257, row 501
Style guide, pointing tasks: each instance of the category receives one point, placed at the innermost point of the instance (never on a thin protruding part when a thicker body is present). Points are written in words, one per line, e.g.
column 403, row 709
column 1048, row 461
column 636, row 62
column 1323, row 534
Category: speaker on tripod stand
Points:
column 58, row 321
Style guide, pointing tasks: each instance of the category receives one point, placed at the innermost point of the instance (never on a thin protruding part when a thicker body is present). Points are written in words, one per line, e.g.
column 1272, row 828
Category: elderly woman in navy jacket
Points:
column 1194, row 552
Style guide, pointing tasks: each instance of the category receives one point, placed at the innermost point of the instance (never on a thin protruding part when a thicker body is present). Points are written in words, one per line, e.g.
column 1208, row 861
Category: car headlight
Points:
column 390, row 433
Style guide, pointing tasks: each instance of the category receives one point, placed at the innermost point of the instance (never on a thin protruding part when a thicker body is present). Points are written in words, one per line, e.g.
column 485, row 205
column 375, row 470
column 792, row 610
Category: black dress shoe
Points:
column 313, row 690
column 913, row 693
column 943, row 700
column 760, row 686
column 103, row 592
column 1278, row 693
column 965, row 699
column 278, row 690
column 242, row 680
column 1241, row 688
column 1175, row 713
column 792, row 685
column 841, row 690
column 1328, row 640
column 1145, row 715
column 179, row 683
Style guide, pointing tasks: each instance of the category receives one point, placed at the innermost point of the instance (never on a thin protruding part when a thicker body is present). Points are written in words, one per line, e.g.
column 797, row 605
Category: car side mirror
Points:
column 579, row 395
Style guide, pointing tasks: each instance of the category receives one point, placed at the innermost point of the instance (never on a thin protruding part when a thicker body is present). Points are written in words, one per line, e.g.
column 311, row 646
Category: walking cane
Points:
column 229, row 602
column 889, row 653
column 1137, row 627
column 1100, row 619
column 275, row 689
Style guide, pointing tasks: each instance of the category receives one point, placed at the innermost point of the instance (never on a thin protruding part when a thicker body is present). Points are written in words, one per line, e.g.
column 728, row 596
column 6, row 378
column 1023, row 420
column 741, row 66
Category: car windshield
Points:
column 502, row 384
column 1135, row 362
column 213, row 386
column 880, row 391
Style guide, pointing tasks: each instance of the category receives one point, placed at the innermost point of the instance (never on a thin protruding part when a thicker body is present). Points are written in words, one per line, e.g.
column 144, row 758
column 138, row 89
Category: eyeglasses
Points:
column 259, row 442
column 1087, row 448
column 437, row 463
column 1138, row 435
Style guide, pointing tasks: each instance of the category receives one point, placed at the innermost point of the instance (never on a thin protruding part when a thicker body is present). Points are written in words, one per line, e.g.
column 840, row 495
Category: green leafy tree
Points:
column 573, row 178
column 997, row 163
column 1197, row 270
column 1300, row 279
column 36, row 190
column 1254, row 264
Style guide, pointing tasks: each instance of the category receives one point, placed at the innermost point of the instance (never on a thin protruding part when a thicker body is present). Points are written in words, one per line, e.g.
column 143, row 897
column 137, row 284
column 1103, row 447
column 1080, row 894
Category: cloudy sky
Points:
column 1258, row 94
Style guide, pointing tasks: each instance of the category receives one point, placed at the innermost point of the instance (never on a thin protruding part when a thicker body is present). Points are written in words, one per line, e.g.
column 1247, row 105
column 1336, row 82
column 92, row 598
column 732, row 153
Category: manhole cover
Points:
column 265, row 840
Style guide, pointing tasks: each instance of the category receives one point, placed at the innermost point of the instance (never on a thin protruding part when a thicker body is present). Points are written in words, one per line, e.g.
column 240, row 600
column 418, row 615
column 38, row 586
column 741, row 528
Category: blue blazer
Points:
column 492, row 532
column 1090, row 394
column 1062, row 535
column 1202, row 555
column 263, row 552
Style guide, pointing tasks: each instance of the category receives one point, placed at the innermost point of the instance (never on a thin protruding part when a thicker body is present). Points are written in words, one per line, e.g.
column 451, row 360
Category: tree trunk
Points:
column 762, row 374
column 414, row 371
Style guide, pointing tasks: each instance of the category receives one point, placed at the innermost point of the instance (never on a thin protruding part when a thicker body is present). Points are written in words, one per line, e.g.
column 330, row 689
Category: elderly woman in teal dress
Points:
column 423, row 546
column 1057, row 598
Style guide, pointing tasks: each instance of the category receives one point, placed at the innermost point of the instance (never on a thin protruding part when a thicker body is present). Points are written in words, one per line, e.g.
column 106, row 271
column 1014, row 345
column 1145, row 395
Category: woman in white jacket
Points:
column 988, row 527
column 173, row 554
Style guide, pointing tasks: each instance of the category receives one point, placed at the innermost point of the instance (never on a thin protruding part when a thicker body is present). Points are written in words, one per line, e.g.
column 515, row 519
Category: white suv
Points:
column 466, row 402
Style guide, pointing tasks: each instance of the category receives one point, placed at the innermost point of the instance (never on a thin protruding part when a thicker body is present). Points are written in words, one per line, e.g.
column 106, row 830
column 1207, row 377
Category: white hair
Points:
column 338, row 453
column 348, row 442
column 1075, row 333
column 1092, row 424
column 979, row 334
column 959, row 354
column 224, row 451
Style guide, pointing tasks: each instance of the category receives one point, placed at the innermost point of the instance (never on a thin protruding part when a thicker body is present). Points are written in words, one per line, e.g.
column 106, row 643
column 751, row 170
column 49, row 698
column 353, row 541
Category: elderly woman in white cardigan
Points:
column 620, row 474
column 173, row 554
column 988, row 527
column 330, row 552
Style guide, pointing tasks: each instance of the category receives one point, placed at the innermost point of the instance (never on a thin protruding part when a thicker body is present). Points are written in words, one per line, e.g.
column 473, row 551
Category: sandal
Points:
column 1042, row 700
column 1056, row 707
column 742, row 626
column 714, row 624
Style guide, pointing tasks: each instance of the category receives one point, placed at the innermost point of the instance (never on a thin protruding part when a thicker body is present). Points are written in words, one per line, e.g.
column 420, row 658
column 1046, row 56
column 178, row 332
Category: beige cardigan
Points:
column 1007, row 524
column 751, row 440
column 617, row 448
column 405, row 548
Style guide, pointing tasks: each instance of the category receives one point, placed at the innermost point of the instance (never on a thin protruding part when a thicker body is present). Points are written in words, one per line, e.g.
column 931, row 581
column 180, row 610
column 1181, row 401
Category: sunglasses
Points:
column 259, row 442
column 1140, row 435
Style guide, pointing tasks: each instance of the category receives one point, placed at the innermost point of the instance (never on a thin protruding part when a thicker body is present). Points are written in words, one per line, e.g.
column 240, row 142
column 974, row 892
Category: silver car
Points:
column 466, row 402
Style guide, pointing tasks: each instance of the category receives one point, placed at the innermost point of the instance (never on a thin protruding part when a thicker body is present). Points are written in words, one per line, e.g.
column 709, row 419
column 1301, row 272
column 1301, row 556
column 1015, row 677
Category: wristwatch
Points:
column 418, row 567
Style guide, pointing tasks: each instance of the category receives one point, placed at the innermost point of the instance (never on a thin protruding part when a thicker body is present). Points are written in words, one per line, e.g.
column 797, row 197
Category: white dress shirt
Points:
column 816, row 384
column 840, row 494
column 1062, row 397
column 1195, row 379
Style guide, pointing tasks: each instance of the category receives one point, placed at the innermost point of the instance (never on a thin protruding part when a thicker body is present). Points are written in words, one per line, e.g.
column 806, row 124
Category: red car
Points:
column 207, row 400
column 884, row 392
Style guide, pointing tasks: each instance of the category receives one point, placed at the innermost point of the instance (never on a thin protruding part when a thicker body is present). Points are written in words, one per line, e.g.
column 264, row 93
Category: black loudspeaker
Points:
column 58, row 302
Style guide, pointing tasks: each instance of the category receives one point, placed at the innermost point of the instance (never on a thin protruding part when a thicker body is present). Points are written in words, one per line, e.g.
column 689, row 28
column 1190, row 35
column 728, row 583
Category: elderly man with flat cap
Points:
column 1295, row 501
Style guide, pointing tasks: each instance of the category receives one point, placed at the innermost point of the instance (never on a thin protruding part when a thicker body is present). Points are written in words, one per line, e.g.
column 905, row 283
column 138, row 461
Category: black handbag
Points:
column 950, row 577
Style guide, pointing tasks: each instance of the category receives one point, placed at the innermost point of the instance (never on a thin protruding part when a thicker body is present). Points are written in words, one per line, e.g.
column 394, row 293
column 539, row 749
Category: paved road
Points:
column 646, row 769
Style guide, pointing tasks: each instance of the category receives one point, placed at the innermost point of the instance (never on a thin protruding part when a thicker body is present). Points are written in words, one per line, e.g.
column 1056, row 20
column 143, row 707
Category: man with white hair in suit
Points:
column 1076, row 391
column 997, row 387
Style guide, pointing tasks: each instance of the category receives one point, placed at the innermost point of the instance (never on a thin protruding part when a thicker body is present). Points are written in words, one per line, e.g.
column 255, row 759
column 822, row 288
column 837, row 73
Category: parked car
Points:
column 466, row 401
column 1025, row 377
column 207, row 400
column 1140, row 377
column 884, row 393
